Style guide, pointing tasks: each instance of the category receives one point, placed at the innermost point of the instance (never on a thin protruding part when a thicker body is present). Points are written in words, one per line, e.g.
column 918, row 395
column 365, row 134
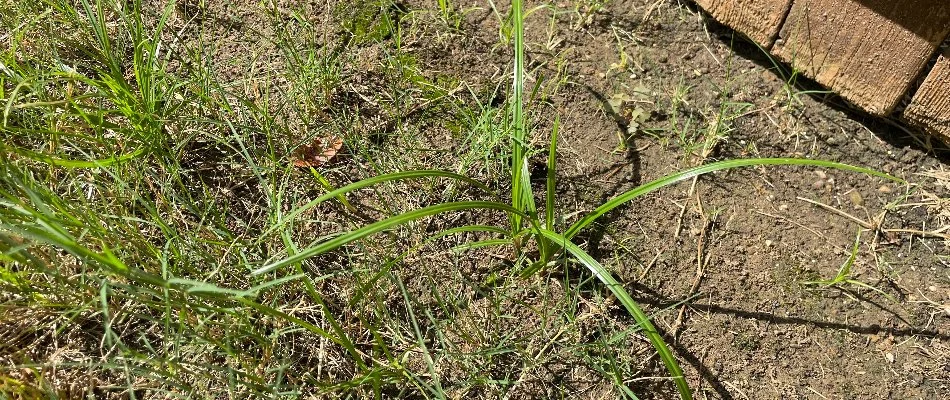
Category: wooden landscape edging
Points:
column 930, row 107
column 871, row 52
column 760, row 20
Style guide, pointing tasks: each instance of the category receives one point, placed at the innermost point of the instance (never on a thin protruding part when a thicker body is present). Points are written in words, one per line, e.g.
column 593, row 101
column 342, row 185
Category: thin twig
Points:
column 652, row 262
column 864, row 224
column 819, row 234
column 701, row 263
column 936, row 233
column 679, row 223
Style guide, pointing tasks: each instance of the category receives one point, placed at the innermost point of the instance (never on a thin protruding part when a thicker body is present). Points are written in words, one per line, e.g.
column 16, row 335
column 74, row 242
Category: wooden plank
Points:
column 930, row 107
column 869, row 51
column 757, row 19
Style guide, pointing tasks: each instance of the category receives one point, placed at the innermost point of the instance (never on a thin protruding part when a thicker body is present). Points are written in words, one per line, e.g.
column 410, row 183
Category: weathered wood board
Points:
column 930, row 107
column 869, row 51
column 757, row 19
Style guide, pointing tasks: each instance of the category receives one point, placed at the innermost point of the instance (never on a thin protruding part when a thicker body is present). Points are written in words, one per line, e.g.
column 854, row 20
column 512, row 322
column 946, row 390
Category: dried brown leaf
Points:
column 318, row 152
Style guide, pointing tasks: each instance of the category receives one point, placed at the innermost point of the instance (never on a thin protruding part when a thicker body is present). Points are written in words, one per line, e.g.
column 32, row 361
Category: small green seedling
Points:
column 844, row 274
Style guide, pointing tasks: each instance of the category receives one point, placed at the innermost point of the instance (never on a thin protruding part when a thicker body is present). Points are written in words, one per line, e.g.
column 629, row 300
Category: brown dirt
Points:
column 754, row 331
column 751, row 329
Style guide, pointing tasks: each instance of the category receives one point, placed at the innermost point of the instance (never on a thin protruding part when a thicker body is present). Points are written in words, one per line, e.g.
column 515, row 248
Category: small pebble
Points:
column 821, row 174
column 768, row 243
column 889, row 357
column 856, row 198
column 884, row 189
column 783, row 207
column 908, row 157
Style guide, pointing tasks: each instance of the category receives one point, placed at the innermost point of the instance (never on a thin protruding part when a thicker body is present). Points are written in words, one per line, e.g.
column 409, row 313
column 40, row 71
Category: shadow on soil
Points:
column 659, row 302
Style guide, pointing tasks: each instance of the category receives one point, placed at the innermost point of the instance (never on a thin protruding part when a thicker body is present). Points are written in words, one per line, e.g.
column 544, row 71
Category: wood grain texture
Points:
column 930, row 107
column 758, row 19
column 869, row 51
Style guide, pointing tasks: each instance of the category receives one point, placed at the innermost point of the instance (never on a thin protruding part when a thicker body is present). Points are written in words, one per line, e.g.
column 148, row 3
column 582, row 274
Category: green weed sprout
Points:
column 844, row 274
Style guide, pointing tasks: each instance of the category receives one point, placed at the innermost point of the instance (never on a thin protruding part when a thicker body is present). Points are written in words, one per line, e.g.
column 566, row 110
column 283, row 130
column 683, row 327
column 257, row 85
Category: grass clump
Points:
column 193, row 281
column 526, row 225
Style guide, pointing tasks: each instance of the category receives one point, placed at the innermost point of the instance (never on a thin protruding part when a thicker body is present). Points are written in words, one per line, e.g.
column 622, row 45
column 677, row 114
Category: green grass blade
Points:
column 71, row 163
column 845, row 271
column 481, row 243
column 421, row 340
column 383, row 225
column 872, row 288
column 273, row 283
column 415, row 174
column 518, row 148
column 192, row 286
column 273, row 312
column 617, row 289
column 527, row 195
column 329, row 187
column 47, row 232
column 552, row 178
column 705, row 169
column 468, row 228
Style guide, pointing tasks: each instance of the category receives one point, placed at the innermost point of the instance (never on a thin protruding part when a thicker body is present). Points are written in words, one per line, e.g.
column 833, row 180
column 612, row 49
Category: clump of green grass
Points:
column 106, row 229
column 120, row 236
column 526, row 224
